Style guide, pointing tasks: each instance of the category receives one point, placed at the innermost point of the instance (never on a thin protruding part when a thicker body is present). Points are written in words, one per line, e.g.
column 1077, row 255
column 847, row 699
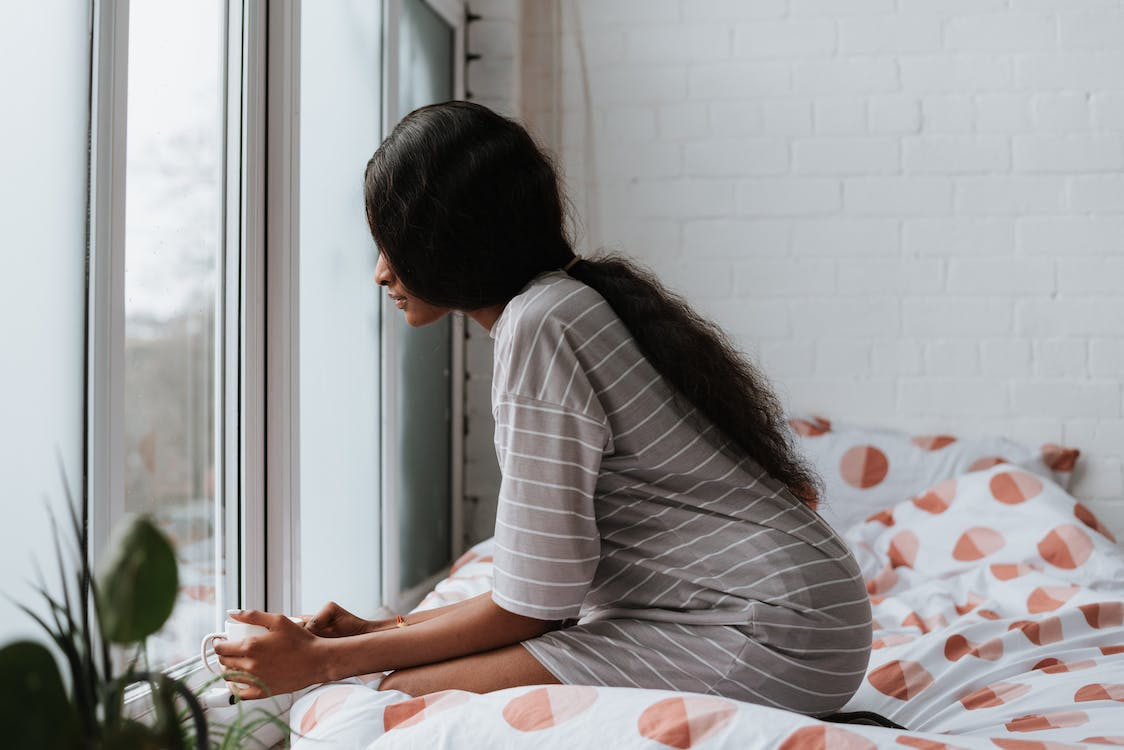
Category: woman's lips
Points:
column 399, row 300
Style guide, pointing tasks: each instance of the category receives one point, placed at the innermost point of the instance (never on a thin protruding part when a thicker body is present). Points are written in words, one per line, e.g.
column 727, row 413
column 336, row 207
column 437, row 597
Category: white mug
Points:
column 233, row 631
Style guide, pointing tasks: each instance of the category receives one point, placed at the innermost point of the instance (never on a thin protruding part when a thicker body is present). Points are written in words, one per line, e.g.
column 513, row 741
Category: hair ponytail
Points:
column 697, row 358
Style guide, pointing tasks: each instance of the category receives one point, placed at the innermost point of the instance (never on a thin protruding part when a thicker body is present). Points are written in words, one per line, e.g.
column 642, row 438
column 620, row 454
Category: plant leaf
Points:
column 167, row 723
column 137, row 582
column 132, row 735
column 34, row 709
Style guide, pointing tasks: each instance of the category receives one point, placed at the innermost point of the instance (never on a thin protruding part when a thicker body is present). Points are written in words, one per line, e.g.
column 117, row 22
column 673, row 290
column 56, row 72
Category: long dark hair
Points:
column 467, row 209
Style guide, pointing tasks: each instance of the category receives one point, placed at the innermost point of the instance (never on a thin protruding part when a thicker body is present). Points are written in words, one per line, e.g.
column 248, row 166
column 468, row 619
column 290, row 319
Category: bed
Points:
column 998, row 601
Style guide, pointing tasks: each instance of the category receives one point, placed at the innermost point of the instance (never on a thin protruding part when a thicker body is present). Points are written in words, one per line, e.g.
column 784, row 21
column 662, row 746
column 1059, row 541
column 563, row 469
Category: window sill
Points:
column 200, row 680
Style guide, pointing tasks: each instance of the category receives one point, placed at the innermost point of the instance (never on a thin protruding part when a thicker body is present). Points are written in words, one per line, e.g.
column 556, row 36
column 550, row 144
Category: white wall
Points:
column 911, row 212
column 42, row 216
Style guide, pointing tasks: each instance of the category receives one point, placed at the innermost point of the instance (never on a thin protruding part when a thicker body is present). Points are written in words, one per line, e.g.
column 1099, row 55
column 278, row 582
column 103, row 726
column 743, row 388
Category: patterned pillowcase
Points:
column 865, row 469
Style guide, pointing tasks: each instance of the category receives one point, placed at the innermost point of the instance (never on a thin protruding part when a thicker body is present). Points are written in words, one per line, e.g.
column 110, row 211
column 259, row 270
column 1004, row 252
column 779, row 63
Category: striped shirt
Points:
column 617, row 501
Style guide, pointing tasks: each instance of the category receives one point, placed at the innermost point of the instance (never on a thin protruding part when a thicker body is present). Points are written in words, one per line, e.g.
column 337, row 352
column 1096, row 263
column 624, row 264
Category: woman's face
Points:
column 418, row 312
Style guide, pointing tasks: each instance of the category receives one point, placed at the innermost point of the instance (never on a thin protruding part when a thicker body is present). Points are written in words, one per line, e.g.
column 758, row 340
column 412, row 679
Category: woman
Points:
column 654, row 527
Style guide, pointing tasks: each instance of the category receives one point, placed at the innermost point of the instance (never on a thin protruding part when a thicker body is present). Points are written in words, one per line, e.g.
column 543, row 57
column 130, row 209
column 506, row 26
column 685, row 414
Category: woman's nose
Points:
column 383, row 274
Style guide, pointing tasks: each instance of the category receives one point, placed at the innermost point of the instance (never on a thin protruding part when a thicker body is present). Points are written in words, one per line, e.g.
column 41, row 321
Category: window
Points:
column 173, row 261
column 222, row 384
column 165, row 415
column 198, row 144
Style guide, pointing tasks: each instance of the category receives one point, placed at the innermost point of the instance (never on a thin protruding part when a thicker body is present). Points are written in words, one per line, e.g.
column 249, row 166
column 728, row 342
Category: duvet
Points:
column 999, row 622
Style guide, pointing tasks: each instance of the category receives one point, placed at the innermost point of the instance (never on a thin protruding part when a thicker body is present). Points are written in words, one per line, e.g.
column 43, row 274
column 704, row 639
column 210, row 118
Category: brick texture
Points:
column 909, row 212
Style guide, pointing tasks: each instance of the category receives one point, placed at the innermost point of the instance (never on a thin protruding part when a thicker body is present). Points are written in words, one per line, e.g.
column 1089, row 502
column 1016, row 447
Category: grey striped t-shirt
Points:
column 616, row 502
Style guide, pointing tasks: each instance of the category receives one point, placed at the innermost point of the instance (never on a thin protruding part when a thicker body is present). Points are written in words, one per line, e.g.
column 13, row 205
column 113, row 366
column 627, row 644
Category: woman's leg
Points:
column 510, row 666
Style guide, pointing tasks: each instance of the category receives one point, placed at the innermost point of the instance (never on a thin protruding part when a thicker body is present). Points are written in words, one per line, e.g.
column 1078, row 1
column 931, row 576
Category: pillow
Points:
column 866, row 469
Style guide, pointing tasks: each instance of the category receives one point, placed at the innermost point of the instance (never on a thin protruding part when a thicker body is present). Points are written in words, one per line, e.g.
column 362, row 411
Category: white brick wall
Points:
column 910, row 212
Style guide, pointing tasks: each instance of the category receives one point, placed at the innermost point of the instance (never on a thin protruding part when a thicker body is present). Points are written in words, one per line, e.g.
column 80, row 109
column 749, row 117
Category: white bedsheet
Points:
column 999, row 608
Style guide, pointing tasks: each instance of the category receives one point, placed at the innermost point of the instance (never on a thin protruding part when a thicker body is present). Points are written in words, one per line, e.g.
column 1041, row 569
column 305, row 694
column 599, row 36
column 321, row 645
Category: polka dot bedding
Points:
column 866, row 469
column 999, row 623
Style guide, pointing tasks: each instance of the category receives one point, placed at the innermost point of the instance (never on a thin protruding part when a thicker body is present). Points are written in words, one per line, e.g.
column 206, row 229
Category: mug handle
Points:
column 207, row 643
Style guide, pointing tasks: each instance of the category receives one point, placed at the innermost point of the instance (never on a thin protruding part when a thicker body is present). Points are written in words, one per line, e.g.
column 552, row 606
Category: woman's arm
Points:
column 479, row 625
column 291, row 657
column 333, row 621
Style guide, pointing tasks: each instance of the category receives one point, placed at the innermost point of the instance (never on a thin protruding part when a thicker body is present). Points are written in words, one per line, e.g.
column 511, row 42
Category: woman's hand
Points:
column 333, row 621
column 285, row 659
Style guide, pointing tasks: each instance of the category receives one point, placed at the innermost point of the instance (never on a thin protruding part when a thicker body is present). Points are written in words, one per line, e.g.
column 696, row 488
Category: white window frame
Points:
column 246, row 95
column 238, row 462
column 257, row 398
column 105, row 443
column 279, row 172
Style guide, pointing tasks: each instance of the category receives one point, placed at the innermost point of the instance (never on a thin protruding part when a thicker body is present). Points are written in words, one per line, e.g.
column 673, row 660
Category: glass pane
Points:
column 173, row 246
column 425, row 62
column 425, row 76
column 340, row 127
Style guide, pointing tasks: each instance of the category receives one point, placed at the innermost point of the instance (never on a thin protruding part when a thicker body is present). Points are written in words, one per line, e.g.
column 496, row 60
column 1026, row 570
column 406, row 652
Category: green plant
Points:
column 129, row 598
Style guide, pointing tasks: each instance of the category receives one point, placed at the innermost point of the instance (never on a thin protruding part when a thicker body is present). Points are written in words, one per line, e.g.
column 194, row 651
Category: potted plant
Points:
column 128, row 598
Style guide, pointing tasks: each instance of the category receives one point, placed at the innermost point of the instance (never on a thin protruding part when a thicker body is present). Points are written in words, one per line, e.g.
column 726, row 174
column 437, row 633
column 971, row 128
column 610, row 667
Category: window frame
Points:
column 257, row 322
column 106, row 258
column 247, row 321
column 277, row 540
column 237, row 368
